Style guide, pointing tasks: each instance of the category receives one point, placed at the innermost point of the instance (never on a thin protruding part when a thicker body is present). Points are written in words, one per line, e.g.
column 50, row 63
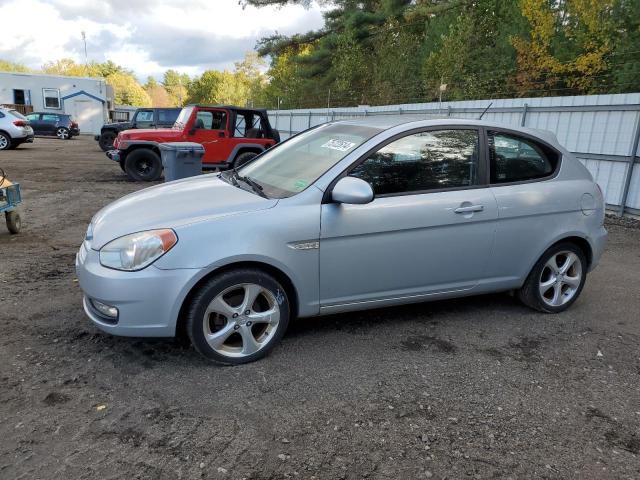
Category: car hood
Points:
column 117, row 125
column 172, row 205
column 151, row 134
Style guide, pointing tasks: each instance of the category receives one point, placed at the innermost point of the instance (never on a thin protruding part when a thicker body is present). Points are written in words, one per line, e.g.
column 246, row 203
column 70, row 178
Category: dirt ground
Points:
column 473, row 388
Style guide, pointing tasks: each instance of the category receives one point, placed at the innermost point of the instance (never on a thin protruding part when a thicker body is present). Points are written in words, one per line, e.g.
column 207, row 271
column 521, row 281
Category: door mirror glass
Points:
column 352, row 190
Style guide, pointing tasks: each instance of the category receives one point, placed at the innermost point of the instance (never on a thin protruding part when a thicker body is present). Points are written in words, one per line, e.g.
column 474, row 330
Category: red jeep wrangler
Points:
column 231, row 136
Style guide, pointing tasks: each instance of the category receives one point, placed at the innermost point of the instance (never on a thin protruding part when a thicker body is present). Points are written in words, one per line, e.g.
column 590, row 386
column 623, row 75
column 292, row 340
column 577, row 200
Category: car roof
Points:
column 410, row 121
column 229, row 107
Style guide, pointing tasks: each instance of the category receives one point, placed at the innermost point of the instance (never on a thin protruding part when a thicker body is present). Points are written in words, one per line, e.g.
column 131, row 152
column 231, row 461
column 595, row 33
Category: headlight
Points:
column 138, row 250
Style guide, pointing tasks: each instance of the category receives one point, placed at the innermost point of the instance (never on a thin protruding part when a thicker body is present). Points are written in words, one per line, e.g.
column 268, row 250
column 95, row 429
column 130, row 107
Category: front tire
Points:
column 143, row 165
column 556, row 280
column 106, row 141
column 238, row 316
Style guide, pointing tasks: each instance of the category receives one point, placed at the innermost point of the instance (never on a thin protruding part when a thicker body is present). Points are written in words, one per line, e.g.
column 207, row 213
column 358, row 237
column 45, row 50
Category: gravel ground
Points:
column 474, row 388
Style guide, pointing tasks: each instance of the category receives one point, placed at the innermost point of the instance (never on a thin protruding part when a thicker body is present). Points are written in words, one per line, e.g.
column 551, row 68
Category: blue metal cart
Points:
column 9, row 199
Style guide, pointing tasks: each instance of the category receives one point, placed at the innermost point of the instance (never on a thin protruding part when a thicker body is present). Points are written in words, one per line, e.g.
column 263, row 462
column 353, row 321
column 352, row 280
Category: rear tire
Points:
column 244, row 158
column 238, row 316
column 556, row 280
column 14, row 222
column 143, row 165
column 106, row 141
column 5, row 141
column 63, row 133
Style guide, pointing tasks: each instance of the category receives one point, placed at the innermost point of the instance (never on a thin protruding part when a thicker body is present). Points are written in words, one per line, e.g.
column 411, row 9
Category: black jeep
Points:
column 142, row 118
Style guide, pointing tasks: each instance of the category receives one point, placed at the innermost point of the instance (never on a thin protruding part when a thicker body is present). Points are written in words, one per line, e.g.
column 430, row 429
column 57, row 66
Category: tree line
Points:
column 403, row 51
column 175, row 89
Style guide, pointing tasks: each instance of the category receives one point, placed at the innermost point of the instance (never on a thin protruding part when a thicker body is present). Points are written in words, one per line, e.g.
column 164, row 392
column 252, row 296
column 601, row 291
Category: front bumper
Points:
column 148, row 301
column 113, row 155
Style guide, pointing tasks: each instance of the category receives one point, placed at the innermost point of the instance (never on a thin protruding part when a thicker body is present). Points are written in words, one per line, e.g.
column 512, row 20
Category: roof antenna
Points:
column 485, row 111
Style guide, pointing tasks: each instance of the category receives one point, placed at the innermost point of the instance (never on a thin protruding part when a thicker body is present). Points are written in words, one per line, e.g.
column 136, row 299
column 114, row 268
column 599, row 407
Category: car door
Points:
column 430, row 228
column 209, row 129
column 530, row 204
column 48, row 123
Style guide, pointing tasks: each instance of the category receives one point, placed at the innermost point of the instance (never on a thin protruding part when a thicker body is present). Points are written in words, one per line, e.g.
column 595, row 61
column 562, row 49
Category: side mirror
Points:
column 352, row 190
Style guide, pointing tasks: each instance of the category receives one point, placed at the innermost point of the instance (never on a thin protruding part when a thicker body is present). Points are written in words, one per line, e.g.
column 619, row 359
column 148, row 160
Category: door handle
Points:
column 469, row 209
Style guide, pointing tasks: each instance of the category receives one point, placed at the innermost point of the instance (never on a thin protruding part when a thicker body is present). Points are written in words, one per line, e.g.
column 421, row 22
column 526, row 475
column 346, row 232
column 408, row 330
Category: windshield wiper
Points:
column 255, row 186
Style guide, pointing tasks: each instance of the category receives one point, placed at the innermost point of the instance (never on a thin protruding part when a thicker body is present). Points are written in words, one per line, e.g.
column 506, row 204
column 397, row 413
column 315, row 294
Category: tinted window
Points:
column 423, row 161
column 167, row 117
column 516, row 159
column 33, row 117
column 211, row 120
column 49, row 118
column 144, row 116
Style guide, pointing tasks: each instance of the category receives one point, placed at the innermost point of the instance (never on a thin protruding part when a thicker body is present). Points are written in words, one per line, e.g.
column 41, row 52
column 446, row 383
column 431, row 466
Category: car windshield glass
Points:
column 291, row 167
column 183, row 118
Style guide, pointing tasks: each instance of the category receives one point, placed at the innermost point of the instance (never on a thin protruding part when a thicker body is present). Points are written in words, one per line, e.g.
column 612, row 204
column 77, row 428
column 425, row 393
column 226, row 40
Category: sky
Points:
column 146, row 36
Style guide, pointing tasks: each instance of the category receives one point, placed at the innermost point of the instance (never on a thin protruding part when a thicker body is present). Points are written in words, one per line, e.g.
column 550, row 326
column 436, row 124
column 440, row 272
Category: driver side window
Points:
column 211, row 120
column 423, row 161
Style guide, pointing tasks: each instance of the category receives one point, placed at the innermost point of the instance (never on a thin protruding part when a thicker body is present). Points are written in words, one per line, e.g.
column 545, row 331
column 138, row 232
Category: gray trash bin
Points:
column 181, row 160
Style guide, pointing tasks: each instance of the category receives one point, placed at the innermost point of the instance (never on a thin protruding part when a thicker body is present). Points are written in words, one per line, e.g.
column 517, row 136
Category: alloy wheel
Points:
column 62, row 133
column 4, row 142
column 241, row 320
column 560, row 278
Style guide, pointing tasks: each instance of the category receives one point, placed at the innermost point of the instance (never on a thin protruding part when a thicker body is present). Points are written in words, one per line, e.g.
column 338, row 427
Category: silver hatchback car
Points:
column 14, row 129
column 346, row 216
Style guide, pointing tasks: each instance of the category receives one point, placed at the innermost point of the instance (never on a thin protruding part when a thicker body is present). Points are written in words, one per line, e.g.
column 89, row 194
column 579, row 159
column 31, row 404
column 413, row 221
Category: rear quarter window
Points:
column 518, row 159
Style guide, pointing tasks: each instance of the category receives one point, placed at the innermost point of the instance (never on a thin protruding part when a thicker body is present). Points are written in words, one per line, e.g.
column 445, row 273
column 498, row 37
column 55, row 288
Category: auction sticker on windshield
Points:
column 340, row 145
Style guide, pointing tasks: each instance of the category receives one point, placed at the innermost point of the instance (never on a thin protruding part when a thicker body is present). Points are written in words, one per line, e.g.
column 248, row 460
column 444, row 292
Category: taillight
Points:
column 20, row 123
column 74, row 125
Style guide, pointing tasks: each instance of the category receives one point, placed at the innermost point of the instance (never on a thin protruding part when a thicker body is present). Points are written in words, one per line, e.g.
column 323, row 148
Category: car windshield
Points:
column 183, row 118
column 291, row 167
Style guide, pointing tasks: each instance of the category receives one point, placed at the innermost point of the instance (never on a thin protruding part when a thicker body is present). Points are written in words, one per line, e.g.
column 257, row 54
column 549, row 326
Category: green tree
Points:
column 177, row 85
column 128, row 91
column 6, row 66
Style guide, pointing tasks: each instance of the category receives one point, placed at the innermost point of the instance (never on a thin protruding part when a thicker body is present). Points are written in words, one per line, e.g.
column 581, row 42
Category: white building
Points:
column 87, row 100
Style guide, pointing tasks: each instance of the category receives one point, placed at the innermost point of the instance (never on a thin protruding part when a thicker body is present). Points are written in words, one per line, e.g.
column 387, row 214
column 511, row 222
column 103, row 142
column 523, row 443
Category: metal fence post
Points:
column 523, row 119
column 332, row 115
column 290, row 122
column 309, row 120
column 448, row 110
column 632, row 162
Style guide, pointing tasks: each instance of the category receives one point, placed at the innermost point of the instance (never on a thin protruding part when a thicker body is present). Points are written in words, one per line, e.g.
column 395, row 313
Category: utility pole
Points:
column 84, row 39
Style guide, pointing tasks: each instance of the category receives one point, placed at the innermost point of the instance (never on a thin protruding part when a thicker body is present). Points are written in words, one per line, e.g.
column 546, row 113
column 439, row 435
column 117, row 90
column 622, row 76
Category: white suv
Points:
column 14, row 129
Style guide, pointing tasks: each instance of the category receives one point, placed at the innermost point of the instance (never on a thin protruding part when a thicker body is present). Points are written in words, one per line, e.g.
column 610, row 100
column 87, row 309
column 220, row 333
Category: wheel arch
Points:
column 244, row 148
column 572, row 237
column 276, row 272
column 153, row 146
